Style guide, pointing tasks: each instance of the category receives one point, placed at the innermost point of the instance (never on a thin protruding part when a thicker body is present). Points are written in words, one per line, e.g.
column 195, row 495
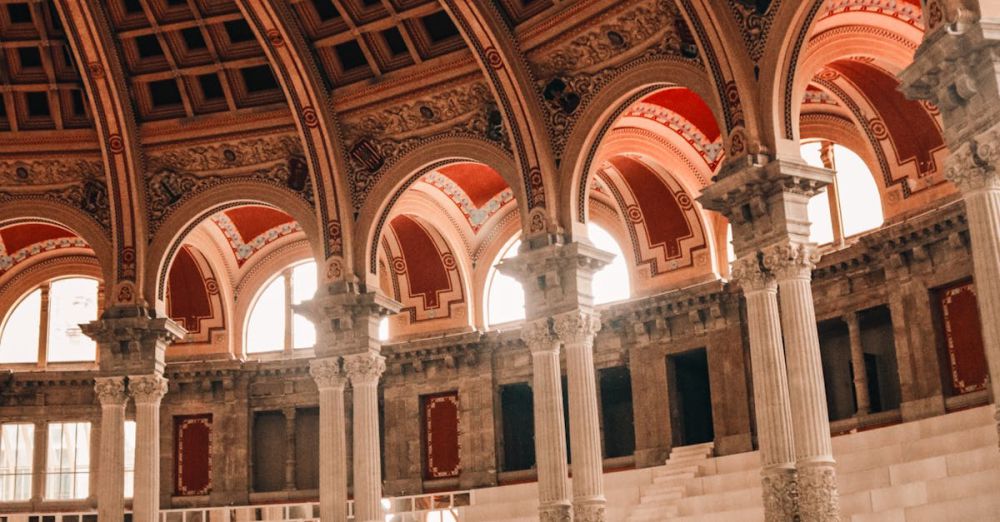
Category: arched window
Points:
column 852, row 204
column 272, row 325
column 505, row 296
column 44, row 326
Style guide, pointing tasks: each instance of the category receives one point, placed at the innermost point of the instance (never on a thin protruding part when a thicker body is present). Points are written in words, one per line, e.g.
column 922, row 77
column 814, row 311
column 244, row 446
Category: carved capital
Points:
column 577, row 327
column 780, row 492
column 539, row 337
column 147, row 389
column 791, row 260
column 818, row 498
column 364, row 368
column 110, row 391
column 974, row 165
column 748, row 273
column 327, row 373
column 554, row 513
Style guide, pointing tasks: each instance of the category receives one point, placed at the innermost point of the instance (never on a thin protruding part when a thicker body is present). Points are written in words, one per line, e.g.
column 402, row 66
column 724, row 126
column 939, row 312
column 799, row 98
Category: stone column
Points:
column 576, row 330
column 364, row 370
column 770, row 390
column 858, row 365
column 330, row 381
column 792, row 264
column 147, row 391
column 289, row 414
column 111, row 459
column 550, row 434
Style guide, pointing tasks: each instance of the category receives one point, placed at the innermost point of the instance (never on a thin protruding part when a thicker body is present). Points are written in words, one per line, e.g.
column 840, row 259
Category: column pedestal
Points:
column 111, row 463
column 147, row 391
column 364, row 371
column 550, row 431
column 330, row 381
column 576, row 330
column 770, row 391
column 818, row 498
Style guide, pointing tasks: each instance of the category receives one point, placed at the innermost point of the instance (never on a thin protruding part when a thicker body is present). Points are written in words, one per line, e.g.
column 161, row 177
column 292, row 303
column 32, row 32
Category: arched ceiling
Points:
column 23, row 241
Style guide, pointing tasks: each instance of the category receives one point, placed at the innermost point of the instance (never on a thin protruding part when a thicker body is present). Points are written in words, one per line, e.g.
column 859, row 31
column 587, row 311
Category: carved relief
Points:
column 791, row 260
column 177, row 175
column 378, row 138
column 147, row 388
column 110, row 390
column 754, row 19
column 780, row 492
column 78, row 183
column 327, row 373
column 817, row 492
column 364, row 368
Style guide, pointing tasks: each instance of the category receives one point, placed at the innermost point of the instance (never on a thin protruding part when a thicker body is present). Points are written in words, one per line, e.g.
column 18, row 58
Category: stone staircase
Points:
column 939, row 469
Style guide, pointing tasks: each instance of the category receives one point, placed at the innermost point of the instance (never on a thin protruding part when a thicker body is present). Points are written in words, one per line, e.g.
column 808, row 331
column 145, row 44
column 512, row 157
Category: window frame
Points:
column 42, row 358
column 45, row 493
column 32, row 464
column 288, row 340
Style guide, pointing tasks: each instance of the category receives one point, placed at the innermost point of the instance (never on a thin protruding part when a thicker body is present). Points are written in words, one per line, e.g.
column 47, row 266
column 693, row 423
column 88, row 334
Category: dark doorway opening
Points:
column 690, row 398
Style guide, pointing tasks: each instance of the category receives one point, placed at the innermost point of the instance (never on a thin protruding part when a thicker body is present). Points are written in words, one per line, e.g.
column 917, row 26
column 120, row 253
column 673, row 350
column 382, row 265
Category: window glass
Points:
column 72, row 302
column 266, row 327
column 505, row 295
column 17, row 444
column 821, row 228
column 611, row 283
column 67, row 468
column 383, row 329
column 19, row 341
column 303, row 289
column 859, row 196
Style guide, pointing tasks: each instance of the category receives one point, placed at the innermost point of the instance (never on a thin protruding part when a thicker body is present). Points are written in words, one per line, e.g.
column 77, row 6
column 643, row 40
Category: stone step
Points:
column 753, row 514
column 721, row 501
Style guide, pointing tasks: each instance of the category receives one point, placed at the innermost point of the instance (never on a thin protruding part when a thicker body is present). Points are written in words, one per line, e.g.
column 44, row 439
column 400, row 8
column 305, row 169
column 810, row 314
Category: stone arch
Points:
column 373, row 216
column 600, row 116
column 193, row 212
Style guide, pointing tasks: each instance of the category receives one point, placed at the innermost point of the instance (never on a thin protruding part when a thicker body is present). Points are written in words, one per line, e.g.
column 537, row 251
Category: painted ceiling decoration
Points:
column 909, row 129
column 476, row 189
column 22, row 241
column 249, row 229
column 816, row 96
column 754, row 18
column 193, row 297
column 663, row 223
column 907, row 11
column 684, row 112
column 424, row 273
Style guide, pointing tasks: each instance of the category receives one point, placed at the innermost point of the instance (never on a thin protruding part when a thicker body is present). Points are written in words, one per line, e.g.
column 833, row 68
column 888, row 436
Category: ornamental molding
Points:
column 781, row 495
column 476, row 216
column 817, row 494
column 147, row 389
column 902, row 11
column 227, row 155
column 110, row 391
column 754, row 25
column 43, row 172
column 539, row 337
column 749, row 275
column 973, row 166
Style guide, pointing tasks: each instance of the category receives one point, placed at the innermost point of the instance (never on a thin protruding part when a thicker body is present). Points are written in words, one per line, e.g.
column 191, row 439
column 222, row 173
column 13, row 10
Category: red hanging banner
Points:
column 963, row 339
column 442, row 448
column 193, row 454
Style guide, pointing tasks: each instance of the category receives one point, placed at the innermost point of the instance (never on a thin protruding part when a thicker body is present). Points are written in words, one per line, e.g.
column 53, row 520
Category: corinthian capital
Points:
column 327, row 373
column 748, row 273
column 364, row 368
column 538, row 336
column 791, row 260
column 110, row 391
column 974, row 165
column 146, row 389
column 576, row 327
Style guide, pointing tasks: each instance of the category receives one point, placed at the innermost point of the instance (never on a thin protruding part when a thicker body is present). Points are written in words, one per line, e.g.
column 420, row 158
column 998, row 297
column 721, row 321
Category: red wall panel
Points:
column 963, row 338
column 441, row 436
column 193, row 454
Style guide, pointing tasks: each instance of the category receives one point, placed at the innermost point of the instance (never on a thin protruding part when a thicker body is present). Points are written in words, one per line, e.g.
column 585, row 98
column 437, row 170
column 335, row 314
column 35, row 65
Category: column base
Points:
column 554, row 513
column 589, row 510
column 819, row 500
column 996, row 415
column 780, row 492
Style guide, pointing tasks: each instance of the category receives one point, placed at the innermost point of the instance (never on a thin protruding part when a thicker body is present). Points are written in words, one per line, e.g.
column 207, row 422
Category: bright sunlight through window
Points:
column 272, row 318
column 858, row 199
column 505, row 296
column 71, row 302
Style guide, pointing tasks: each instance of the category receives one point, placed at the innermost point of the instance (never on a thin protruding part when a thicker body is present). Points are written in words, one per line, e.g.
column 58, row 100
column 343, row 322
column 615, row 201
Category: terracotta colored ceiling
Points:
column 188, row 291
column 478, row 181
column 689, row 106
column 477, row 190
column 422, row 261
column 659, row 208
column 912, row 130
column 250, row 228
column 19, row 242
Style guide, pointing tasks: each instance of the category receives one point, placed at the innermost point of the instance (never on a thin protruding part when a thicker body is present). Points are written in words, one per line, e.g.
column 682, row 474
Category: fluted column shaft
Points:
column 111, row 463
column 330, row 381
column 817, row 482
column 770, row 391
column 576, row 330
column 983, row 207
column 550, row 431
column 364, row 371
column 858, row 365
column 147, row 391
